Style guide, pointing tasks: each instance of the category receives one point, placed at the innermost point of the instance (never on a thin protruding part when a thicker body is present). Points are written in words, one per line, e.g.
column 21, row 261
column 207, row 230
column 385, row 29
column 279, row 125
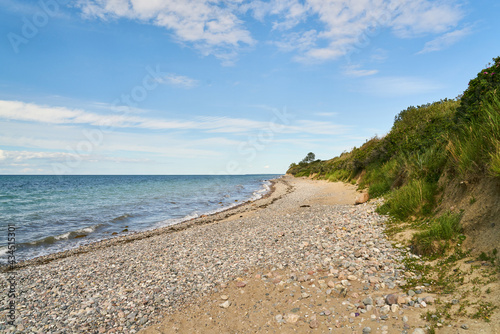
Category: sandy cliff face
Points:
column 480, row 200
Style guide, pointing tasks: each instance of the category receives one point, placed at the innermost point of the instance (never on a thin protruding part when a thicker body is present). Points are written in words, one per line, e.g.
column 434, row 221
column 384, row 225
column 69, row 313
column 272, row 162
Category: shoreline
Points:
column 203, row 219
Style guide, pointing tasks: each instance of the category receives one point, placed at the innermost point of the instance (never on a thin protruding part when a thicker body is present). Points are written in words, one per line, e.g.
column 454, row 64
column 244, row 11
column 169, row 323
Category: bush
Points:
column 480, row 90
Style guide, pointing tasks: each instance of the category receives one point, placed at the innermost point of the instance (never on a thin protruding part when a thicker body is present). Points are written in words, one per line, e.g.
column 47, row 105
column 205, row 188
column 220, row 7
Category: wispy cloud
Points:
column 356, row 71
column 446, row 40
column 179, row 81
column 30, row 112
column 211, row 26
column 344, row 26
column 218, row 27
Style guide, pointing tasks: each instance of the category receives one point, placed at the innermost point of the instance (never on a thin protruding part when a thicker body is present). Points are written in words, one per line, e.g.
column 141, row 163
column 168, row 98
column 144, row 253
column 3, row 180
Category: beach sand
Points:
column 303, row 259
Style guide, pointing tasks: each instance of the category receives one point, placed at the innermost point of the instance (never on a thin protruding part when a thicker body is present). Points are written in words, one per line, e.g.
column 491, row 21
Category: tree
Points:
column 310, row 157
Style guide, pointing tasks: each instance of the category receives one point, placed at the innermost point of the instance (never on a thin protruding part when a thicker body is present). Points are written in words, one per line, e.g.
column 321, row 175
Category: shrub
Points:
column 479, row 91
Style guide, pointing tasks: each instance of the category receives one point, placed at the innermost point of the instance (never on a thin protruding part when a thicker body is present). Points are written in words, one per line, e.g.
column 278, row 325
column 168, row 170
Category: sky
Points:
column 222, row 86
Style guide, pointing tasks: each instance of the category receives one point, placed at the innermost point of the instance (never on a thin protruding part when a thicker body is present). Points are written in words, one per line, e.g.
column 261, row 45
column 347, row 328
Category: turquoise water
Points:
column 55, row 213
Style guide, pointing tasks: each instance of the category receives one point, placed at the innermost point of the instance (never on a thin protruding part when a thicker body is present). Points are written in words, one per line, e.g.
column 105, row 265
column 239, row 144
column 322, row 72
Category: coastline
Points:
column 246, row 206
column 303, row 259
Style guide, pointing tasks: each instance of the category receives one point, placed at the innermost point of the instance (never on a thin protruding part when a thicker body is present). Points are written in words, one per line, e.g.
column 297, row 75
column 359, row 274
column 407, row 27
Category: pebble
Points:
column 429, row 300
column 368, row 301
column 226, row 304
column 367, row 330
column 291, row 318
column 464, row 326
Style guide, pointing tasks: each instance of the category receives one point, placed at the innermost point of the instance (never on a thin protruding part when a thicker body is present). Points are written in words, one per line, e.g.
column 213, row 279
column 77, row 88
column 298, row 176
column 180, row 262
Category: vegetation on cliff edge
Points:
column 449, row 139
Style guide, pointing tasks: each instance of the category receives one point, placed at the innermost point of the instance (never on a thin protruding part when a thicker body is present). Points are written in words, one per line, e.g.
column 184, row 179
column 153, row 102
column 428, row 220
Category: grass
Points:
column 475, row 147
column 415, row 197
column 440, row 231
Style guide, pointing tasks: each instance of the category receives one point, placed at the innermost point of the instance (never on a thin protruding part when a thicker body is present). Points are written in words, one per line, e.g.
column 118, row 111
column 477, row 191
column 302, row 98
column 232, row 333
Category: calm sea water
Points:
column 55, row 213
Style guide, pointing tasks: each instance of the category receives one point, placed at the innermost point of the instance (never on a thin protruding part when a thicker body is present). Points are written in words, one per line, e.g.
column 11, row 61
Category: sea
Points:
column 49, row 214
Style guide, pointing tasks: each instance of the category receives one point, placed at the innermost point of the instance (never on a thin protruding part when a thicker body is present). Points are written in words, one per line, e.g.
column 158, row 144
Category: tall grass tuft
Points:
column 443, row 228
column 476, row 146
column 411, row 199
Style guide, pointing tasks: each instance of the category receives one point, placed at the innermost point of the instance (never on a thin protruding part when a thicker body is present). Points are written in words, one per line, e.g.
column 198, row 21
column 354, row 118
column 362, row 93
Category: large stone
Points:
column 362, row 198
column 391, row 299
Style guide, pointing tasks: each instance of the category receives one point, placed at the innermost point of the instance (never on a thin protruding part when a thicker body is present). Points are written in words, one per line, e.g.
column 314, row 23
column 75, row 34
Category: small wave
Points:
column 3, row 250
column 173, row 221
column 261, row 192
column 122, row 217
column 64, row 236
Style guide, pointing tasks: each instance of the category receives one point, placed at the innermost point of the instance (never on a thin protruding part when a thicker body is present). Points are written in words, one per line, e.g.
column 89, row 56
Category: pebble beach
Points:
column 302, row 236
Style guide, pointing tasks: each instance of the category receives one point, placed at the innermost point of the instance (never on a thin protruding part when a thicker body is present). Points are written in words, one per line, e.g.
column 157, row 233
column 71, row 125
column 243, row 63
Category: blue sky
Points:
column 221, row 86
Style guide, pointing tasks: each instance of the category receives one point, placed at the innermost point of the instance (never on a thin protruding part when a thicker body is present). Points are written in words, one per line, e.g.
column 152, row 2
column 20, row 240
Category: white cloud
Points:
column 345, row 25
column 20, row 111
column 419, row 17
column 179, row 81
column 298, row 41
column 16, row 157
column 210, row 26
column 445, row 41
column 340, row 26
column 355, row 71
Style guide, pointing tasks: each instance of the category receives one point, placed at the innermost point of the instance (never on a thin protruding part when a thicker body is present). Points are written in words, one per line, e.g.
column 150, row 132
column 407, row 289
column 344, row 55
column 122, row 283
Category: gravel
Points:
column 124, row 286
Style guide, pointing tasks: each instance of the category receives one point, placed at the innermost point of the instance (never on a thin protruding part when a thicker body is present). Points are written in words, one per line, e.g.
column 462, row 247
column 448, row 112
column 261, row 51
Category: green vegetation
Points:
column 428, row 146
column 440, row 231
